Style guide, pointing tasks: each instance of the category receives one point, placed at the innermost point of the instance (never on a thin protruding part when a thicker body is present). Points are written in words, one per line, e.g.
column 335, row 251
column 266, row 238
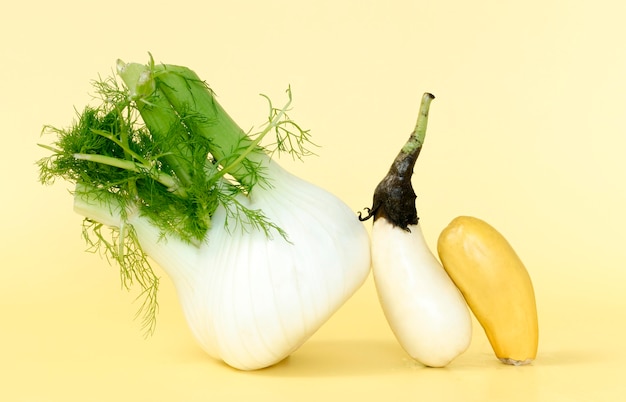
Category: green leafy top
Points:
column 159, row 142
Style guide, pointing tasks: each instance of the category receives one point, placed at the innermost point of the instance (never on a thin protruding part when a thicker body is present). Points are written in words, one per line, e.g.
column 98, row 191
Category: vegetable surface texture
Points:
column 259, row 257
column 423, row 307
column 495, row 284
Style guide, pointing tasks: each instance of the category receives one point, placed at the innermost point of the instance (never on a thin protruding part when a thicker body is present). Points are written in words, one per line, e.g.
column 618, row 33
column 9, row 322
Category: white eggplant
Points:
column 423, row 307
column 425, row 310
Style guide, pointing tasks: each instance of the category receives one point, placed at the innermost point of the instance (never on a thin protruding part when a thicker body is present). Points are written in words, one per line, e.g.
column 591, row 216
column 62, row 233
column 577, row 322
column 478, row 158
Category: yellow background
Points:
column 527, row 132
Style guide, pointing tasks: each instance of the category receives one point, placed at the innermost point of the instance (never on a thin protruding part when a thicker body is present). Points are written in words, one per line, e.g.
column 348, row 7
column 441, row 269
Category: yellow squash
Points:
column 495, row 284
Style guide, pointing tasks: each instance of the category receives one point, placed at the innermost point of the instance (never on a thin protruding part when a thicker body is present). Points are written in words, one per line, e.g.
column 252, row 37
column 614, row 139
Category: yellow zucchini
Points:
column 495, row 285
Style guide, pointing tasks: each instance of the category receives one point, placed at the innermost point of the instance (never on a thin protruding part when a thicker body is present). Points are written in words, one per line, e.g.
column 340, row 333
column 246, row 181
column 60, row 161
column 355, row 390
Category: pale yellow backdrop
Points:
column 527, row 132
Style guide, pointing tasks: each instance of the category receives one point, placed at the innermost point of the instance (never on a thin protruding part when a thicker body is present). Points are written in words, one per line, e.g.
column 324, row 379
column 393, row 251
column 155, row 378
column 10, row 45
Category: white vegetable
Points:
column 423, row 307
column 425, row 310
column 260, row 258
column 249, row 300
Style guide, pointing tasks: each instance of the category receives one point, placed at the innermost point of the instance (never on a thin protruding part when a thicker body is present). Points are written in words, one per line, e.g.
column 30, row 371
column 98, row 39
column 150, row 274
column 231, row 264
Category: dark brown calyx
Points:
column 394, row 197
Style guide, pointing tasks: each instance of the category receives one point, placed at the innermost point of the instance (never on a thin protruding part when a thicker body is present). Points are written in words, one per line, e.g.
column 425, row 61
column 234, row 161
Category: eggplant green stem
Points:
column 416, row 140
column 394, row 197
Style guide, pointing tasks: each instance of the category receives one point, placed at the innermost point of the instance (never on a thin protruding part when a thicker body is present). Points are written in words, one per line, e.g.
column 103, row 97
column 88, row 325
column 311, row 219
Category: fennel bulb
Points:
column 259, row 257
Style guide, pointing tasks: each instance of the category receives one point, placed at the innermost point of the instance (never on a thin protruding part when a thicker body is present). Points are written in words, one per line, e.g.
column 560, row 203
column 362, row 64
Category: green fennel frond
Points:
column 159, row 143
column 121, row 246
column 290, row 137
column 241, row 218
